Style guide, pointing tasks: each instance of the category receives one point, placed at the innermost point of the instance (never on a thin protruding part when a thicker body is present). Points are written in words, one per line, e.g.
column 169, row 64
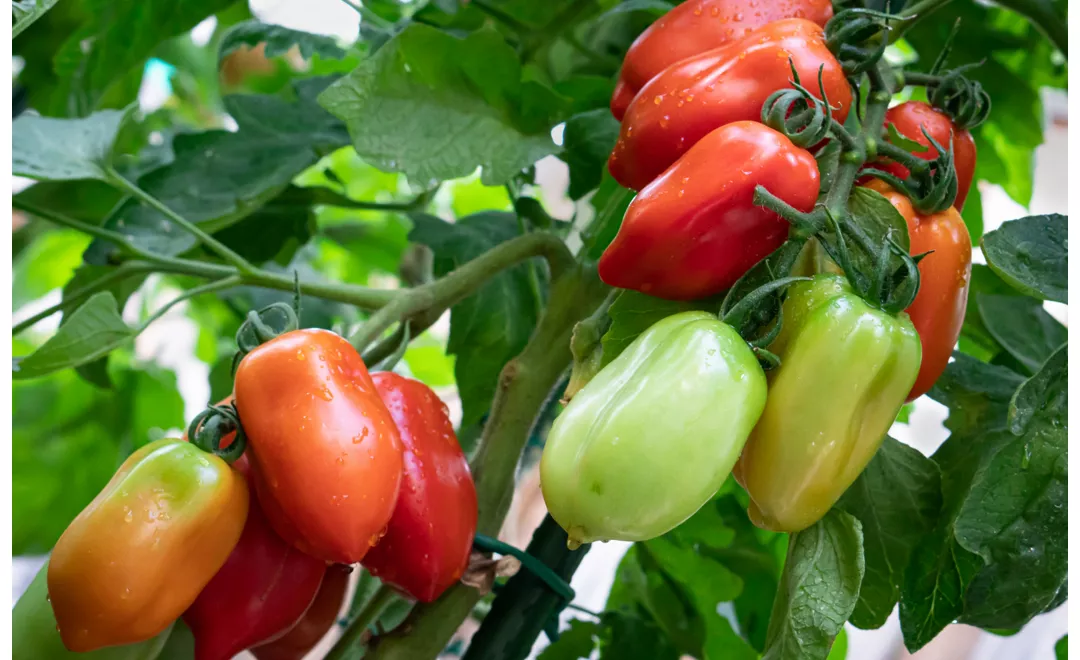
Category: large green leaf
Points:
column 65, row 149
column 219, row 177
column 93, row 330
column 436, row 107
column 1022, row 327
column 1032, row 254
column 897, row 499
column 588, row 140
column 818, row 590
column 494, row 324
column 609, row 203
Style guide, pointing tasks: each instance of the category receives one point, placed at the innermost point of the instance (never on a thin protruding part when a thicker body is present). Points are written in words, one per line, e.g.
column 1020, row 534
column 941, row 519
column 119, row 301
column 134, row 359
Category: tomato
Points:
column 263, row 589
column 845, row 369
column 34, row 633
column 139, row 554
column 313, row 626
column 696, row 26
column 910, row 118
column 695, row 230
column 653, row 436
column 944, row 279
column 690, row 99
column 326, row 456
column 427, row 544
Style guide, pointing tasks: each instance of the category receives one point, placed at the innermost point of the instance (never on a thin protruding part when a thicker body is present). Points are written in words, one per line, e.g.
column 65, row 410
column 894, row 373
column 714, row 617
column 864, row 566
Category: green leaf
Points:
column 973, row 213
column 436, row 107
column 633, row 313
column 88, row 200
column 878, row 217
column 574, row 643
column 279, row 40
column 1061, row 649
column 25, row 12
column 629, row 637
column 897, row 499
column 51, row 149
column 609, row 203
column 1031, row 254
column 640, row 584
column 219, row 177
column 840, row 646
column 1022, row 327
column 93, row 330
column 983, row 282
column 493, row 325
column 818, row 590
column 46, row 264
column 275, row 230
column 117, row 37
column 588, row 140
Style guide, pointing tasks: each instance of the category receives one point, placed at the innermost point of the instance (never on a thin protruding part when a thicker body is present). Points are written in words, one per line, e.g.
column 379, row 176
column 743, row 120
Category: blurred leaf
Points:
column 89, row 200
column 219, row 177
column 47, row 264
column 973, row 213
column 1061, row 649
column 588, row 140
column 610, row 203
column 180, row 645
column 283, row 224
column 628, row 637
column 26, row 12
column 633, row 313
column 425, row 90
column 493, row 325
column 93, row 330
column 897, row 499
column 1022, row 327
column 575, row 642
column 640, row 584
column 65, row 149
column 983, row 282
column 279, row 40
column 471, row 195
column 427, row 361
column 1031, row 254
column 818, row 590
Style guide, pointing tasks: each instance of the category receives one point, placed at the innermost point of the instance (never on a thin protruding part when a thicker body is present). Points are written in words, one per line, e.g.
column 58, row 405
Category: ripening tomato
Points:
column 427, row 544
column 944, row 278
column 696, row 26
column 325, row 453
column 690, row 99
column 910, row 118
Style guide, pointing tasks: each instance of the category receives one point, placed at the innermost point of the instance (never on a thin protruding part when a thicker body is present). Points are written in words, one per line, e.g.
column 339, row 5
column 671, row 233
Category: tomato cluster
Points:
column 692, row 143
column 341, row 467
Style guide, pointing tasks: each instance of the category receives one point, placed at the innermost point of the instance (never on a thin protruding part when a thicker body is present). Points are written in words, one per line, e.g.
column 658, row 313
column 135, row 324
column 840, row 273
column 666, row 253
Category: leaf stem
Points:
column 210, row 287
column 120, row 182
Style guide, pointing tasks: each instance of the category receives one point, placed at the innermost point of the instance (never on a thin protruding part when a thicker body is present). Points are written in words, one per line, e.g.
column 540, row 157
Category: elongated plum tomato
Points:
column 910, row 119
column 845, row 368
column 944, row 279
column 695, row 230
column 325, row 453
column 696, row 26
column 654, row 435
column 316, row 622
column 427, row 544
column 139, row 554
column 690, row 99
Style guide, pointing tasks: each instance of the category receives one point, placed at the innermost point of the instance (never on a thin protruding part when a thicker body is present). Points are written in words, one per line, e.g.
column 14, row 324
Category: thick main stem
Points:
column 524, row 384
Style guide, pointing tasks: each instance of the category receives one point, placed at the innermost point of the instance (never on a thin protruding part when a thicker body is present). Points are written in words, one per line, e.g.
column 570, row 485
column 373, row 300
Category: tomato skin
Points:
column 653, row 436
column 696, row 26
column 695, row 230
column 910, row 118
column 325, row 453
column 264, row 589
column 691, row 98
column 845, row 369
column 427, row 544
column 944, row 280
column 316, row 622
column 140, row 553
column 34, row 634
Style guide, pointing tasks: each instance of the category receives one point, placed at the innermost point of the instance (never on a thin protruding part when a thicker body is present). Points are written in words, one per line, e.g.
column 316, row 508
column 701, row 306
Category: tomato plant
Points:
column 683, row 261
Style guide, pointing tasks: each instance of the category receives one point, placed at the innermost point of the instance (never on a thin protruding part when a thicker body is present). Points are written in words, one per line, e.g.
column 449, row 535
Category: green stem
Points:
column 459, row 283
column 210, row 287
column 355, row 631
column 76, row 297
column 1042, row 15
column 120, row 182
column 93, row 230
column 524, row 385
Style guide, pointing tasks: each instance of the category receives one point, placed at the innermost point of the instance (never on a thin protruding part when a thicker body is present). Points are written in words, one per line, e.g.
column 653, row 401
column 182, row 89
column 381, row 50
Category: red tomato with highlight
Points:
column 696, row 26
column 910, row 118
column 313, row 626
column 690, row 99
column 325, row 453
column 427, row 545
column 695, row 230
column 944, row 276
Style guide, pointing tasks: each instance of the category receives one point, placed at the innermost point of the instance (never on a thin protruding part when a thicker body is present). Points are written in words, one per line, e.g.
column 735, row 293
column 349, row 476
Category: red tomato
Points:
column 695, row 230
column 910, row 118
column 325, row 451
column 697, row 26
column 427, row 545
column 699, row 94
column 298, row 641
column 945, row 276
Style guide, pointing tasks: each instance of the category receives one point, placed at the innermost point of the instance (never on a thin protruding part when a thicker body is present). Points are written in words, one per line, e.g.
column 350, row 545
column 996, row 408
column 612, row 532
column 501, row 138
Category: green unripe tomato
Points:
column 653, row 436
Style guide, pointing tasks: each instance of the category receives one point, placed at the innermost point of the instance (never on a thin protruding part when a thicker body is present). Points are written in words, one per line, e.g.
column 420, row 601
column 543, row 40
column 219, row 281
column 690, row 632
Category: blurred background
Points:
column 172, row 370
